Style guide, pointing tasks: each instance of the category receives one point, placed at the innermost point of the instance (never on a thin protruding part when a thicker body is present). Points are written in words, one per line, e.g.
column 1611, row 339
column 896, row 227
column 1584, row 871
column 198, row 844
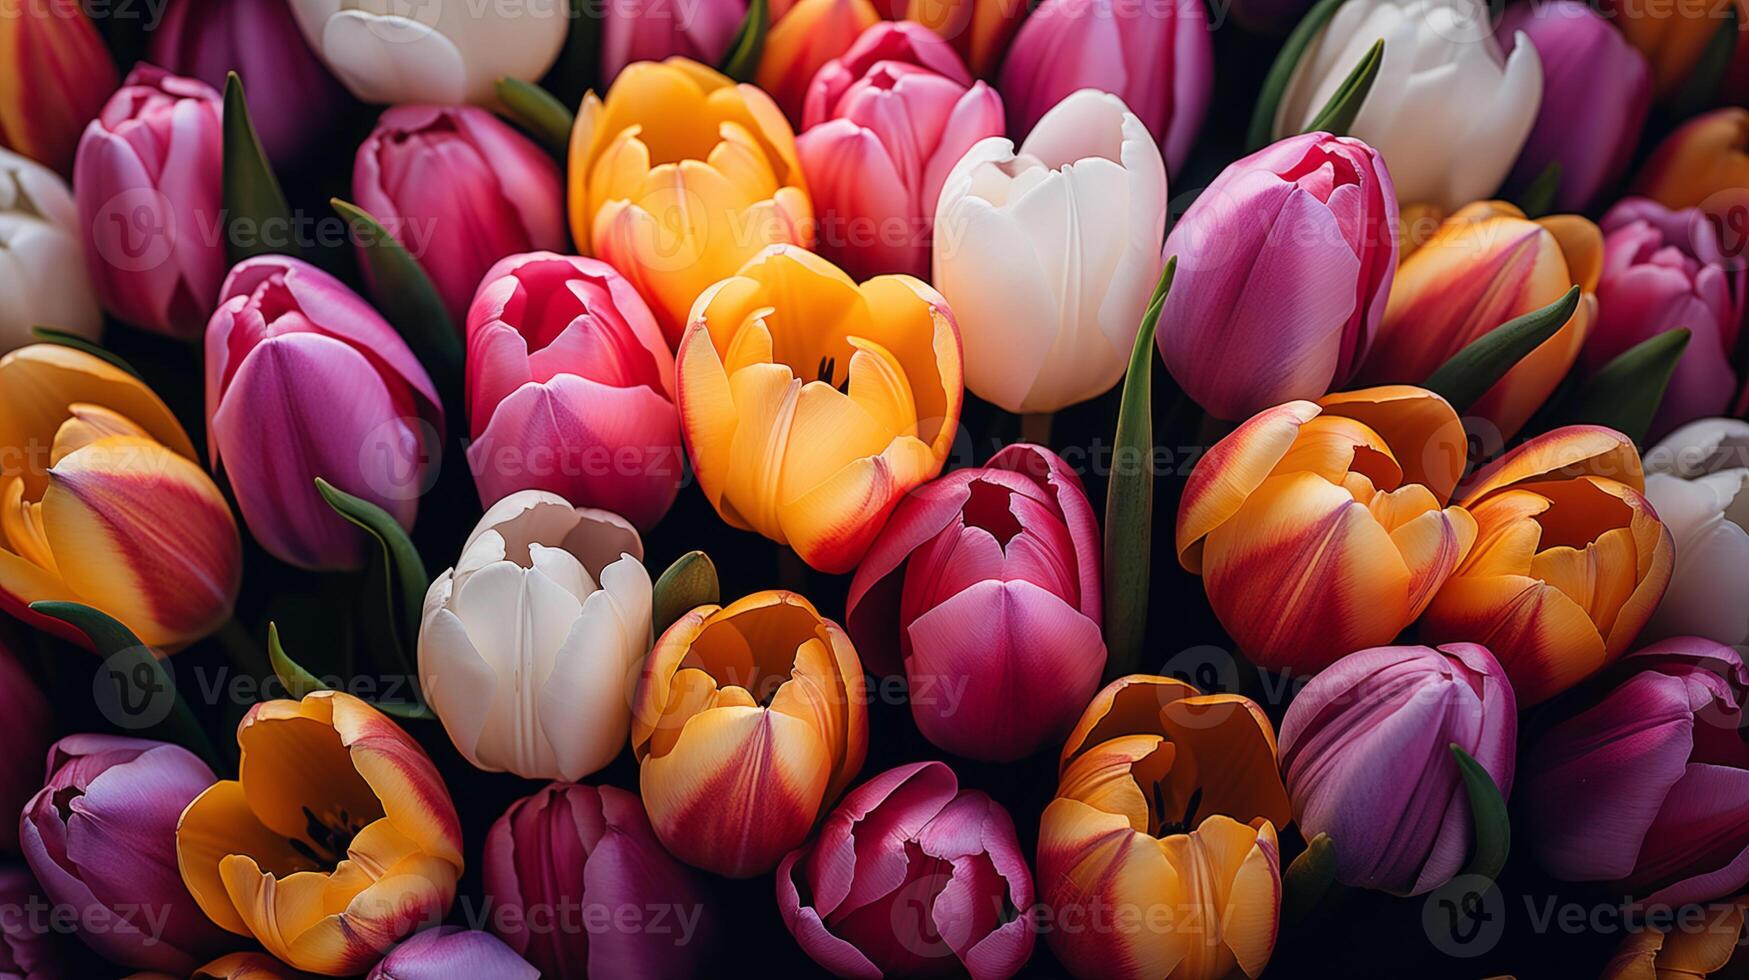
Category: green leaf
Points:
column 406, row 581
column 1338, row 114
column 257, row 217
column 1308, row 879
column 50, row 335
column 687, row 584
column 537, row 111
column 1701, row 87
column 1488, row 812
column 1624, row 395
column 742, row 61
column 1468, row 375
column 1129, row 498
column 299, row 682
column 1282, row 71
column 1539, row 198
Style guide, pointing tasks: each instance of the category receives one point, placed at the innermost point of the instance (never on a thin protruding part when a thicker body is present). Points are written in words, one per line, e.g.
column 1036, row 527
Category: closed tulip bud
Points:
column 453, row 951
column 148, row 182
column 100, row 837
column 983, row 589
column 1048, row 256
column 1705, row 164
column 1365, row 752
column 547, row 696
column 803, row 39
column 883, row 126
column 1320, row 528
column 677, row 138
column 440, row 52
column 1569, row 562
column 305, row 381
column 27, row 726
column 1448, row 110
column 1693, row 951
column 650, row 30
column 42, row 267
column 1158, row 855
column 911, row 876
column 1284, row 266
column 571, row 388
column 57, row 74
column 1488, row 264
column 980, row 30
column 749, row 720
column 589, row 852
column 1673, row 37
column 1695, row 479
column 1656, row 765
column 103, row 503
column 29, row 948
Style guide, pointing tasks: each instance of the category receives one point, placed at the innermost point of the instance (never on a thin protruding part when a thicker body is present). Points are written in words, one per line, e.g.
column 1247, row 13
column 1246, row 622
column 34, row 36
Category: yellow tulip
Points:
column 802, row 39
column 980, row 30
column 1704, row 164
column 245, row 966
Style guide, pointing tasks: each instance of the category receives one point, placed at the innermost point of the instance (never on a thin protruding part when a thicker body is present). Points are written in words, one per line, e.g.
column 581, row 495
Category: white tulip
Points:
column 43, row 282
column 1047, row 257
column 443, row 52
column 1448, row 111
column 1696, row 480
column 530, row 647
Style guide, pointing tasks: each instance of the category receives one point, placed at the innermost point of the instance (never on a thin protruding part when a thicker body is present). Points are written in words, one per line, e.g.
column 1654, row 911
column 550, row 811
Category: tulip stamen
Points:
column 329, row 838
column 1160, row 827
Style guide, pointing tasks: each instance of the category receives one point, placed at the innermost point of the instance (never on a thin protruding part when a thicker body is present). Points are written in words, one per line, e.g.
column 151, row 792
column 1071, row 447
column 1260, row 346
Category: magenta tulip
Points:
column 1156, row 56
column 983, row 588
column 571, row 389
column 654, row 30
column 911, row 876
column 147, row 181
column 31, row 947
column 305, row 380
column 1284, row 267
column 1366, row 757
column 101, row 838
column 27, row 726
column 460, row 190
column 451, row 951
column 883, row 125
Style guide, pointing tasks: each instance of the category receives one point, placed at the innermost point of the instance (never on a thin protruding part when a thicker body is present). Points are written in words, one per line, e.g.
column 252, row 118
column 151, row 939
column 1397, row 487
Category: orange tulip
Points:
column 337, row 838
column 246, row 966
column 1569, row 561
column 1704, row 164
column 1672, row 36
column 103, row 502
column 1321, row 529
column 810, row 404
column 980, row 30
column 55, row 75
column 803, row 38
column 1691, row 952
column 679, row 177
column 1158, row 857
column 748, row 722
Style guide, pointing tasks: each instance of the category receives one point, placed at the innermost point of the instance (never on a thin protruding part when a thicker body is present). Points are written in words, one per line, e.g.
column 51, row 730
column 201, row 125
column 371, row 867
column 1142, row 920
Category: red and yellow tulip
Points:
column 55, row 74
column 1704, row 164
column 803, row 38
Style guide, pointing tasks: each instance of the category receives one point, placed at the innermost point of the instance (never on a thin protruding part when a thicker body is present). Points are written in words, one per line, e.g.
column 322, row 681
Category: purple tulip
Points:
column 452, row 951
column 305, row 380
column 26, row 729
column 579, row 885
column 910, row 876
column 31, row 948
column 1284, row 268
column 1597, row 90
column 1647, row 787
column 1365, row 754
column 147, row 182
column 983, row 588
column 653, row 30
column 101, row 838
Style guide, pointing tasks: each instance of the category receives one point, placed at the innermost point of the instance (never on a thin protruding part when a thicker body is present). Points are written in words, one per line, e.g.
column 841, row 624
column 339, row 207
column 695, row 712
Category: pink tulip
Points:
column 1284, row 267
column 654, row 30
column 883, row 125
column 571, row 389
column 911, row 876
column 31, row 947
column 147, row 181
column 460, row 190
column 984, row 588
column 304, row 380
column 1156, row 56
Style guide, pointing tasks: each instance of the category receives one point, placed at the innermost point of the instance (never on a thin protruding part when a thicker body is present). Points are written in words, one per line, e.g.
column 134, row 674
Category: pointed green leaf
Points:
column 299, row 682
column 1308, row 879
column 742, row 61
column 535, row 110
column 1488, row 814
column 1338, row 113
column 1282, row 71
column 1625, row 394
column 1469, row 374
column 406, row 582
column 1701, row 87
column 688, row 583
column 50, row 335
column 1539, row 198
column 257, row 217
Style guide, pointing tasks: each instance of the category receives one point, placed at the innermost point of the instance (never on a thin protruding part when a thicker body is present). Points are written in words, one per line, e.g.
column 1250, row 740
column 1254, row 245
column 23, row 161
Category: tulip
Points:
column 452, row 951
column 440, row 52
column 292, row 98
column 979, row 30
column 1705, row 164
column 246, row 966
column 1158, row 856
column 650, row 30
column 1664, row 270
column 571, row 388
column 1596, row 93
column 781, row 441
column 27, row 726
column 804, row 38
column 336, row 839
column 1694, row 480
column 883, row 126
column 677, row 140
column 304, row 381
column 1656, row 766
column 749, row 720
column 1284, row 266
column 1048, row 257
column 984, row 589
column 1321, row 528
column 911, row 876
column 31, row 948
column 551, row 701
column 42, row 267
column 56, row 77
column 147, row 181
column 589, row 851
column 460, row 190
column 1365, row 751
column 1448, row 110
column 1693, row 951
column 1488, row 264
column 103, row 503
column 99, row 836
column 1673, row 37
column 1569, row 562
